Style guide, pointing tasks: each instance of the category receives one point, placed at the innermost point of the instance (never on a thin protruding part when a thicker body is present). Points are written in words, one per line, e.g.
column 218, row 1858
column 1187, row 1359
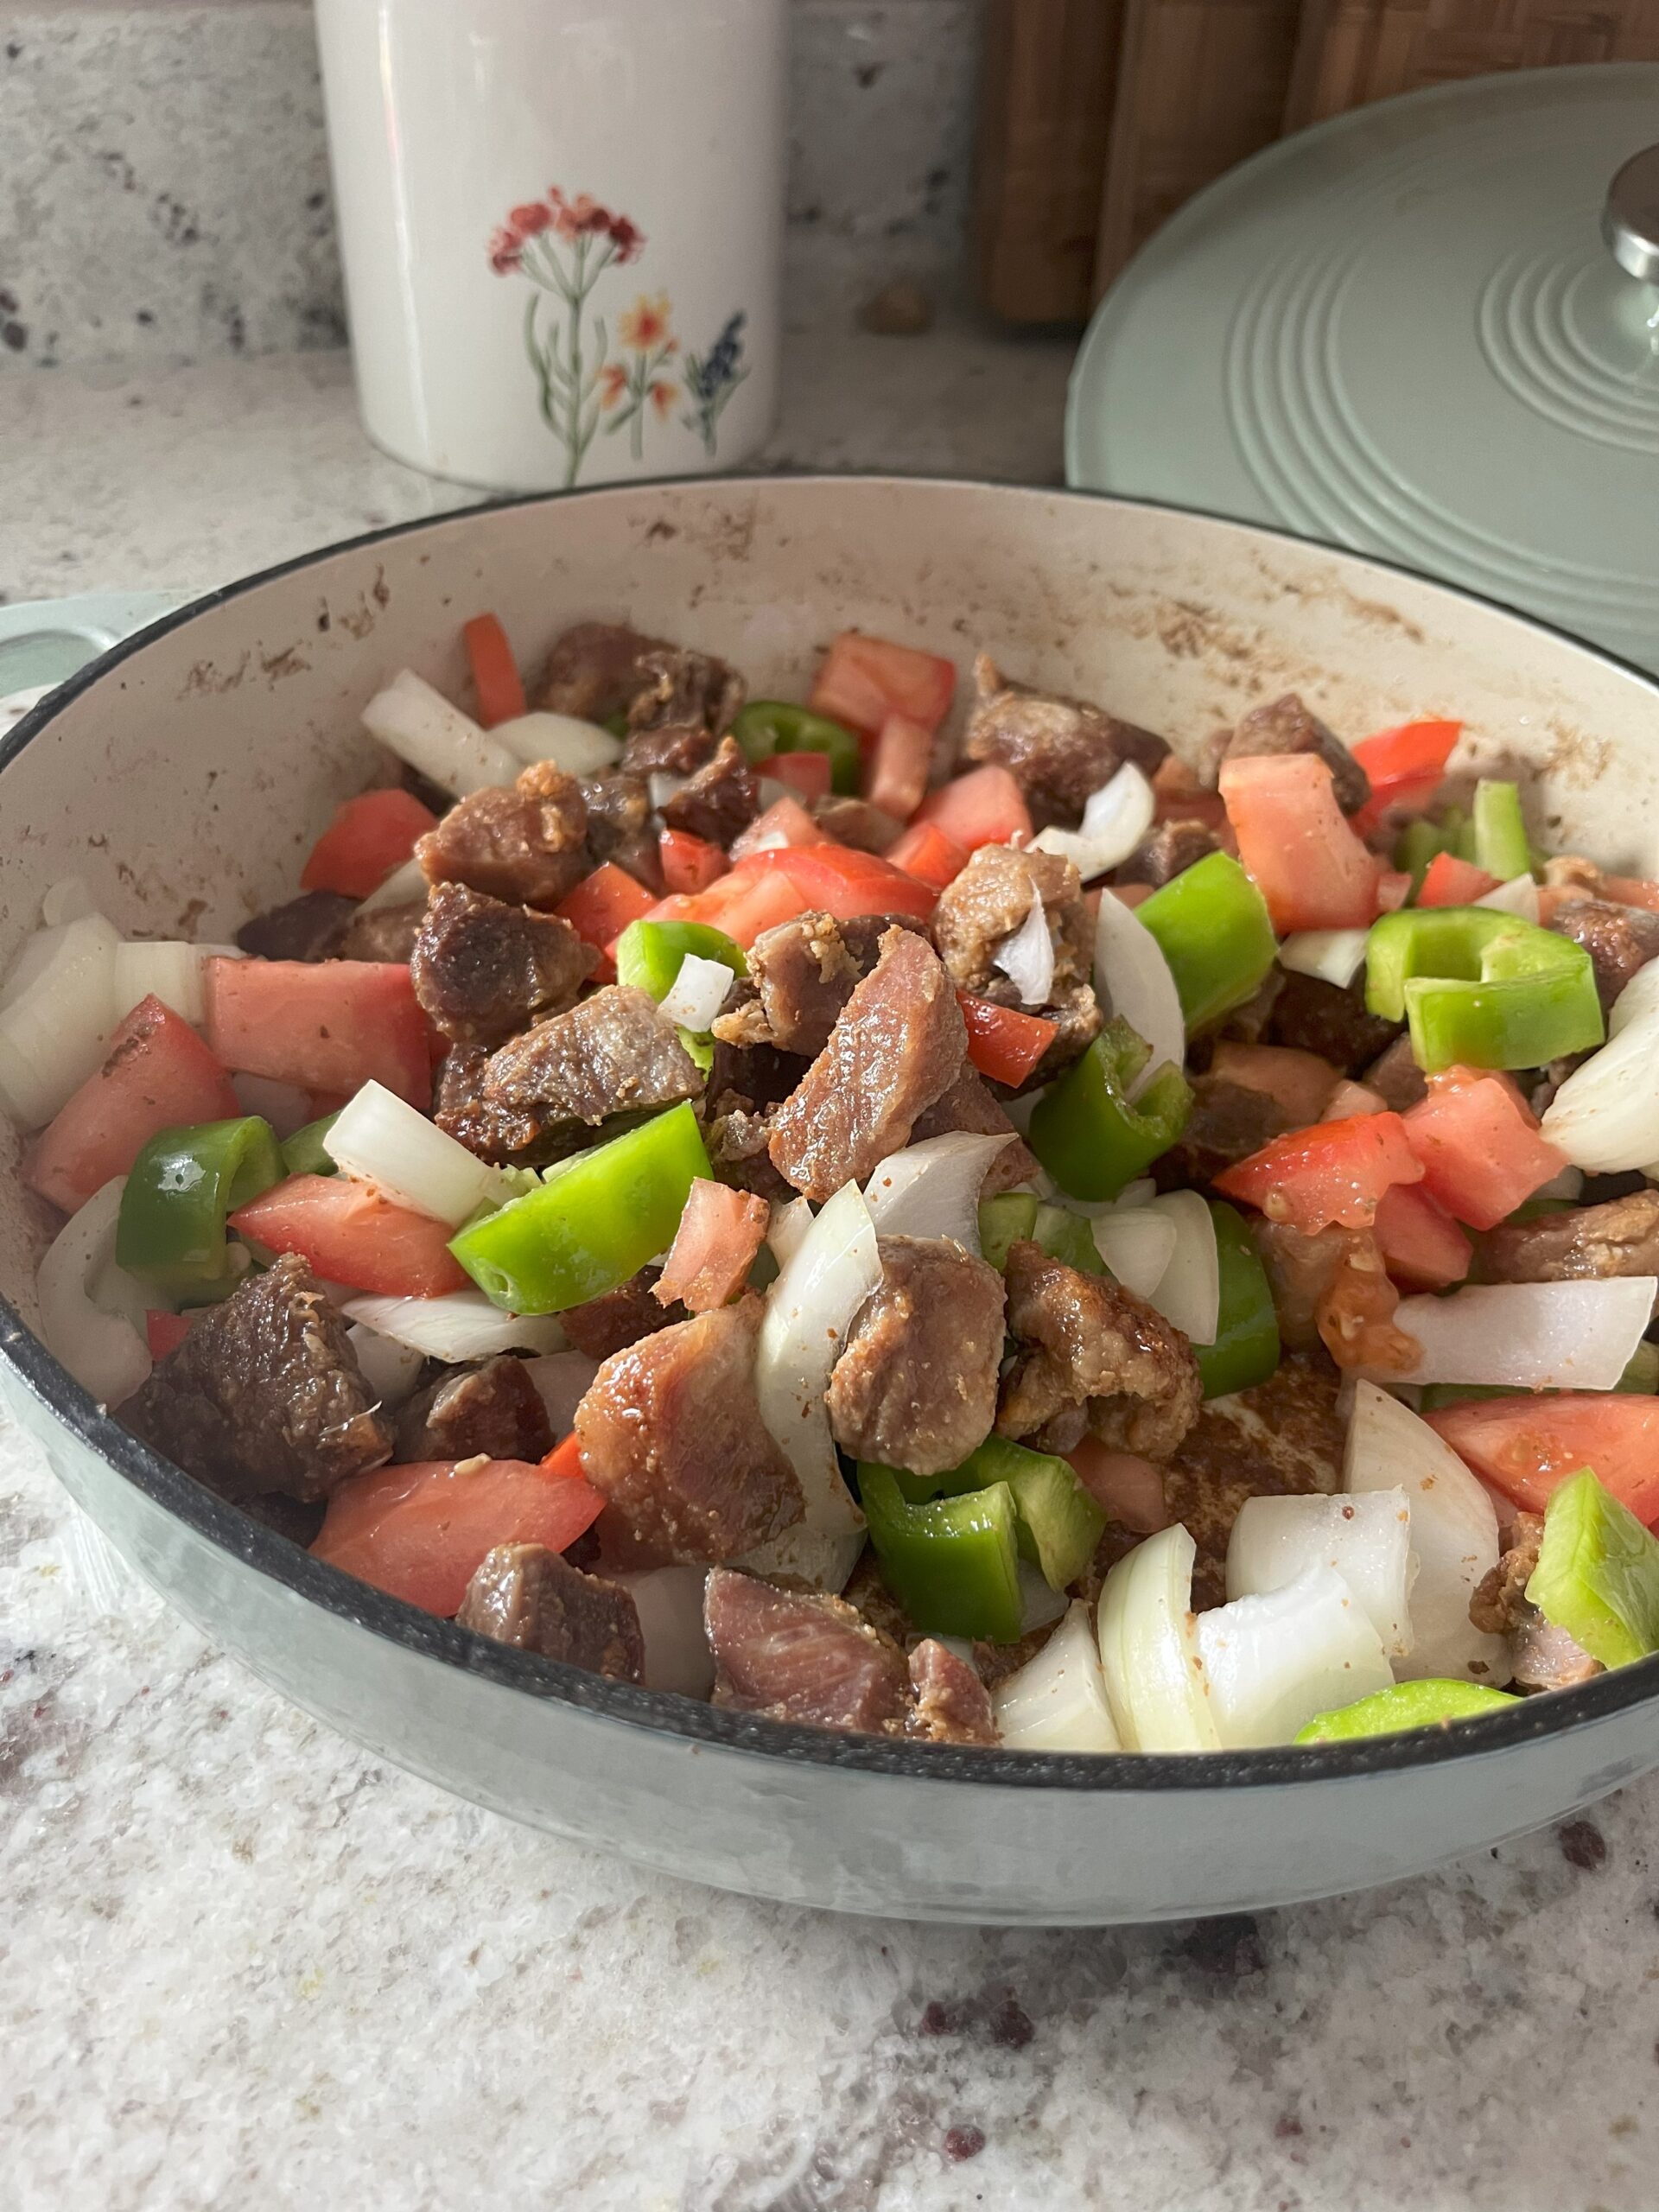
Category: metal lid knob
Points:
column 1630, row 221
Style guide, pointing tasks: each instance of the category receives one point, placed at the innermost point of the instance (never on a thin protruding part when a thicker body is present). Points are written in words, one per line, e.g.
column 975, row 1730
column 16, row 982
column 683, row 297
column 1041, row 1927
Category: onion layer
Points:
column 104, row 1350
column 459, row 1326
column 1057, row 1701
column 581, row 749
column 422, row 727
column 1531, row 1336
column 384, row 1141
column 1114, row 820
column 56, row 1012
column 1027, row 958
column 932, row 1189
column 1272, row 1663
column 1131, row 978
column 1149, row 1651
column 1367, row 1539
column 1189, row 1291
column 1334, row 955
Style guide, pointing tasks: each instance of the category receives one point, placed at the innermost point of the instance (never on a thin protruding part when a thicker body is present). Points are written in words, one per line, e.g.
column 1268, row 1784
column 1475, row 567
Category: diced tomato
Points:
column 785, row 822
column 422, row 1531
column 1448, row 881
column 806, row 773
column 159, row 1075
column 1180, row 797
column 565, row 1459
column 896, row 780
column 368, row 837
column 1128, row 1488
column 1351, row 1098
column 1301, row 1083
column 984, row 807
column 328, row 1025
column 164, row 1332
column 926, row 853
column 690, row 863
column 1480, row 1146
column 1527, row 1446
column 495, row 672
column 351, row 1233
column 751, row 900
column 1421, row 1246
column 1406, row 766
column 841, row 880
column 1004, row 1042
column 1393, row 889
column 603, row 904
column 1355, row 1315
column 1335, row 1172
column 863, row 680
column 1310, row 868
column 720, row 1232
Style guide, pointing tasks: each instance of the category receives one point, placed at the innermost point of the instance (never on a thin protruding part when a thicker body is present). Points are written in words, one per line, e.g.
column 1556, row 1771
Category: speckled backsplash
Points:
column 164, row 186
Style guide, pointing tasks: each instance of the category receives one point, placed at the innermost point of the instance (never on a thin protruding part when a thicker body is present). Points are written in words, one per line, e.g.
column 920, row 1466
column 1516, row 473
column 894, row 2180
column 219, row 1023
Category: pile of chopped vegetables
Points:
column 985, row 1228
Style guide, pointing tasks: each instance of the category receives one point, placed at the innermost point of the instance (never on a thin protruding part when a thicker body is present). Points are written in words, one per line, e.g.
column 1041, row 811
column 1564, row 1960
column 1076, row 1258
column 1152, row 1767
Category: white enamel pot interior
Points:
column 186, row 774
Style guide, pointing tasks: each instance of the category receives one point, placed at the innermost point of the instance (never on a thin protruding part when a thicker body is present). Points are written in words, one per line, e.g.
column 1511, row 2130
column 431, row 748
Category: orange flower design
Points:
column 663, row 396
column 645, row 325
column 613, row 383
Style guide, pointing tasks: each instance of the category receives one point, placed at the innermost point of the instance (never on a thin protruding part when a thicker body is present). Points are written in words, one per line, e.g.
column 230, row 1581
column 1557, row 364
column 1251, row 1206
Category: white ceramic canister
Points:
column 562, row 226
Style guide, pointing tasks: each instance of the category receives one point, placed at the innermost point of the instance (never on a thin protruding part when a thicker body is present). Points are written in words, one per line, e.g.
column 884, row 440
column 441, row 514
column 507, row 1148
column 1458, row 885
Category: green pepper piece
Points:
column 1502, row 846
column 1246, row 1349
column 1598, row 1572
column 1059, row 1524
column 1418, row 844
column 769, row 726
column 304, row 1154
column 1067, row 1237
column 1004, row 1220
column 1212, row 926
column 1408, row 1705
column 650, row 955
column 593, row 1222
column 182, row 1186
column 617, row 723
column 953, row 1563
column 1481, row 988
column 1084, row 1130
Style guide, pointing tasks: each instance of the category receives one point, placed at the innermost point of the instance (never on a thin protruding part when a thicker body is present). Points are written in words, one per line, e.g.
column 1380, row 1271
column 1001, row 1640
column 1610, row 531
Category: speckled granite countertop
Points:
column 246, row 1966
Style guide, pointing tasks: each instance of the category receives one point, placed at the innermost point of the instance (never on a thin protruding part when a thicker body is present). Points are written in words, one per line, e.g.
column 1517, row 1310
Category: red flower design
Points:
column 613, row 382
column 504, row 250
column 526, row 221
column 627, row 238
column 663, row 396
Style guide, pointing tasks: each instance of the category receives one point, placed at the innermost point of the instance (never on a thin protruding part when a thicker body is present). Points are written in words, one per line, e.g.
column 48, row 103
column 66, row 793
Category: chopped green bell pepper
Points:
column 1418, row 844
column 1598, row 1572
column 304, row 1154
column 650, row 955
column 1246, row 1349
column 1502, row 846
column 1084, row 1130
column 1059, row 1524
column 1481, row 988
column 1004, row 1220
column 593, row 1222
column 1212, row 926
column 617, row 723
column 171, row 1230
column 953, row 1563
column 769, row 726
column 1067, row 1237
column 1408, row 1705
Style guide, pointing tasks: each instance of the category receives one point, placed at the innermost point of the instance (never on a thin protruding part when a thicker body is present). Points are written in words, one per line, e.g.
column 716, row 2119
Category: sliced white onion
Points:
column 459, row 1326
column 1273, row 1662
column 421, row 726
column 1518, row 896
column 1141, row 1193
column 1334, row 955
column 1366, row 1538
column 69, row 899
column 1531, row 1336
column 1150, row 1648
column 1131, row 978
column 1639, row 998
column 1189, row 1290
column 662, row 786
column 383, row 1140
column 787, row 1228
column 698, row 992
column 389, row 1369
column 1453, row 1536
column 104, row 1350
column 284, row 1105
column 1114, row 820
column 1606, row 1116
column 401, row 888
column 1137, row 1246
column 1039, row 1602
column 1057, row 1701
column 56, row 1014
column 1568, row 1184
column 809, row 1310
column 581, row 749
column 563, row 1380
column 170, row 971
column 1027, row 958
column 669, row 1601
column 819, row 1558
column 932, row 1189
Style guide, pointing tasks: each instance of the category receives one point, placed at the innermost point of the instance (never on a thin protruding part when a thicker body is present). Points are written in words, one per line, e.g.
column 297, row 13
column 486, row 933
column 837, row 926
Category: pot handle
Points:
column 1630, row 220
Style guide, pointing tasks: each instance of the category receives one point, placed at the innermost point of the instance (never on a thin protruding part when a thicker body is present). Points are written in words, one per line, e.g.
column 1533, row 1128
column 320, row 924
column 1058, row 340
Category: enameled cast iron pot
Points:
column 186, row 774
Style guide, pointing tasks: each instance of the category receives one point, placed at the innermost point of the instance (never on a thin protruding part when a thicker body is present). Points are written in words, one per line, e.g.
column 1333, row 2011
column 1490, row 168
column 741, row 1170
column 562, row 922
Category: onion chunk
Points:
column 810, row 1308
column 1531, row 1336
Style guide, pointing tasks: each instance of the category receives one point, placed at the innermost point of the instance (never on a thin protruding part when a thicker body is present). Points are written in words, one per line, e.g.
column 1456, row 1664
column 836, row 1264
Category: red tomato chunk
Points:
column 367, row 839
column 1480, row 1146
column 1335, row 1172
column 1526, row 1446
column 351, row 1233
column 1311, row 868
column 864, row 680
column 720, row 1232
column 332, row 1025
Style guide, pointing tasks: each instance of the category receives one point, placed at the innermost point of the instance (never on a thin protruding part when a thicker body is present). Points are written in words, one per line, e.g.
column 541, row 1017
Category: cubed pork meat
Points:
column 461, row 1110
column 795, row 1655
column 1395, row 1076
column 483, row 970
column 612, row 1053
column 308, row 928
column 735, row 1137
column 672, row 1436
column 971, row 1106
column 1059, row 751
column 1312, row 1016
column 1286, row 726
column 385, row 933
column 1619, row 940
column 721, row 797
column 952, row 1703
column 597, row 669
column 1092, row 1357
column 801, row 976
column 984, row 909
column 619, row 816
column 1300, row 1270
column 1545, row 1657
column 916, row 1385
column 527, row 1596
column 685, row 704
column 620, row 1317
column 264, row 1394
column 492, row 1412
column 1228, row 1121
column 525, row 843
column 1168, row 851
column 1618, row 1238
column 855, row 822
column 897, row 1046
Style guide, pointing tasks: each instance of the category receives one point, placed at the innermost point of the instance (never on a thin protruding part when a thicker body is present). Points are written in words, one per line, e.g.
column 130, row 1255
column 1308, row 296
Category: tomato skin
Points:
column 163, row 1332
column 785, row 822
column 329, row 1025
column 350, row 1233
column 690, row 863
column 1527, row 1446
column 864, row 679
column 1310, row 866
column 927, row 854
column 1448, row 881
column 841, row 880
column 720, row 1232
column 984, row 807
column 495, row 672
column 158, row 1074
column 1421, row 1246
column 1003, row 1042
column 422, row 1531
column 1480, row 1146
column 369, row 836
column 1334, row 1172
column 1406, row 766
column 603, row 904
column 807, row 774
column 896, row 779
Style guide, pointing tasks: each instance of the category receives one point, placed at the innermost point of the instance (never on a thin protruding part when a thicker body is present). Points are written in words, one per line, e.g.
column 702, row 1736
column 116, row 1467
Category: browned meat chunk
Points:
column 952, row 1705
column 1545, row 1657
column 687, row 701
column 1092, row 1357
column 798, row 1655
column 1618, row 1238
column 527, row 845
column 1228, row 1121
column 916, row 1386
column 1314, row 1016
column 493, row 1411
column 620, row 1318
column 983, row 909
column 460, row 1110
column 527, row 1596
column 386, row 933
column 1619, row 940
column 308, row 928
column 618, row 810
column 735, row 1140
column 855, row 822
column 721, row 797
column 264, row 1394
column 612, row 1053
column 597, row 669
column 1247, row 1024
column 1286, row 726
column 969, row 1105
column 898, row 1045
column 484, row 970
column 671, row 1435
column 1396, row 1079
column 1059, row 751
column 1301, row 1270
column 803, row 973
column 1168, row 851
